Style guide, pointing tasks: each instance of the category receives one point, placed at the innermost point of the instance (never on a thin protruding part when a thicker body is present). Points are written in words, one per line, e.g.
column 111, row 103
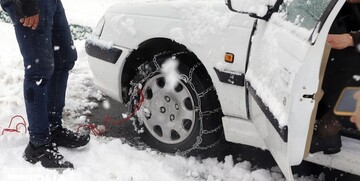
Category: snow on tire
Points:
column 185, row 118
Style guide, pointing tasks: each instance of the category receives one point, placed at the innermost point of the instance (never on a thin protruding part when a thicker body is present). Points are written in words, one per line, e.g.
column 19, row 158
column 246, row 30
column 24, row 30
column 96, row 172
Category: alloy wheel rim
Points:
column 168, row 112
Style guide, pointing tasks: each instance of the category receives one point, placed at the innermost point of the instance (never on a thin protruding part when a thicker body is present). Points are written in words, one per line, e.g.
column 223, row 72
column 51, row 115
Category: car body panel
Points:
column 280, row 53
column 242, row 131
column 106, row 75
column 347, row 160
column 200, row 35
column 283, row 75
column 309, row 82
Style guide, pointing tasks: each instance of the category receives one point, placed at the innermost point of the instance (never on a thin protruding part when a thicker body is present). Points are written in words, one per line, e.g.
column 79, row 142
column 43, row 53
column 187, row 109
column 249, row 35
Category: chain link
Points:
column 202, row 94
column 208, row 113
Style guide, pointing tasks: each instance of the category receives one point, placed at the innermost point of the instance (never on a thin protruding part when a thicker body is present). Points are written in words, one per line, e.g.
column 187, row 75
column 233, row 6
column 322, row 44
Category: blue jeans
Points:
column 48, row 54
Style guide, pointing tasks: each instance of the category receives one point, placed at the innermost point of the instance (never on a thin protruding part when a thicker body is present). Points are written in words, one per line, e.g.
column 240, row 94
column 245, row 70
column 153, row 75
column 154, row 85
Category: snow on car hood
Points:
column 164, row 9
column 194, row 22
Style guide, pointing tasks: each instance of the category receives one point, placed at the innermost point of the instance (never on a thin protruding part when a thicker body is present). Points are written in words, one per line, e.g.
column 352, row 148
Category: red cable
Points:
column 9, row 129
column 92, row 127
column 108, row 121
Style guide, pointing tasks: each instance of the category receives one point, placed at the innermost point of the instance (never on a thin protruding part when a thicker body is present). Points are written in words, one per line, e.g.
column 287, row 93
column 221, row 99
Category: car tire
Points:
column 185, row 119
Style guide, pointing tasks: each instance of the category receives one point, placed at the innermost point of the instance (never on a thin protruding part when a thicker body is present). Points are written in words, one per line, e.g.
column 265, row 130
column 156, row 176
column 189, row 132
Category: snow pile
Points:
column 11, row 73
column 170, row 70
column 81, row 94
column 106, row 45
column 110, row 159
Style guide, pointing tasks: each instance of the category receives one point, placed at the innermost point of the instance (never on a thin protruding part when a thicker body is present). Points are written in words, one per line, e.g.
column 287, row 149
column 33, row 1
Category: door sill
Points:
column 348, row 159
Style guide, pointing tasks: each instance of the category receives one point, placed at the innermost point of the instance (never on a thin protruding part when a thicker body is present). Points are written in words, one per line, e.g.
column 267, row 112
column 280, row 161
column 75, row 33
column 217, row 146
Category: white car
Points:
column 253, row 72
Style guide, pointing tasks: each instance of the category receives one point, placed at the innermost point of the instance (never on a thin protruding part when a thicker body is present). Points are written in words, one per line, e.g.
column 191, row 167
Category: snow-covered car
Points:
column 251, row 69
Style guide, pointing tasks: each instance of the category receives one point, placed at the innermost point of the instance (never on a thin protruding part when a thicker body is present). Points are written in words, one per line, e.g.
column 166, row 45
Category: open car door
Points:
column 285, row 71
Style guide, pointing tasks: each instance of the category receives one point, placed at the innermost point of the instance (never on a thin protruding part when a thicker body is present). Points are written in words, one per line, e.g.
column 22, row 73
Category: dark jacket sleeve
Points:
column 356, row 38
column 24, row 8
column 27, row 8
column 5, row 1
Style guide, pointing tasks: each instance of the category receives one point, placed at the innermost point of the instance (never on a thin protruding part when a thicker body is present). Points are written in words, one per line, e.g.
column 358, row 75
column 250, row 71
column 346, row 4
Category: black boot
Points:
column 69, row 139
column 328, row 126
column 326, row 136
column 48, row 156
column 330, row 145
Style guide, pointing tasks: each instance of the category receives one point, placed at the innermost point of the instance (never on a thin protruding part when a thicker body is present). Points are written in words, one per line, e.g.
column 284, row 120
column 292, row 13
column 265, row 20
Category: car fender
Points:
column 208, row 29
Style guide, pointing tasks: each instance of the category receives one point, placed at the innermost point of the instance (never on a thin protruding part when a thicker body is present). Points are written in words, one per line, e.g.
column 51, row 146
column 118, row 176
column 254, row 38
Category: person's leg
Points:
column 340, row 69
column 64, row 57
column 36, row 49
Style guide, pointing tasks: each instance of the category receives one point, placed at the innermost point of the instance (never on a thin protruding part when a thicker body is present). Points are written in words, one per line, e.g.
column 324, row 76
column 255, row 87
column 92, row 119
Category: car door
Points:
column 284, row 75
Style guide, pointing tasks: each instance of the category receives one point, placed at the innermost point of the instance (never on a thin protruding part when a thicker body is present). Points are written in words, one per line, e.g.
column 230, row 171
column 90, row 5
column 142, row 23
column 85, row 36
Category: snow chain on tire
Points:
column 207, row 108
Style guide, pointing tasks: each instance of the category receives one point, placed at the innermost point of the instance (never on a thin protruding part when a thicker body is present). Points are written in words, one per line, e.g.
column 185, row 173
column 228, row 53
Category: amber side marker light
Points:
column 229, row 57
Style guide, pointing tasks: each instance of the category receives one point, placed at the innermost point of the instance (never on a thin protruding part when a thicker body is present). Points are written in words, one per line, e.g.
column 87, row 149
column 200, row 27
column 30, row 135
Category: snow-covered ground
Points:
column 103, row 158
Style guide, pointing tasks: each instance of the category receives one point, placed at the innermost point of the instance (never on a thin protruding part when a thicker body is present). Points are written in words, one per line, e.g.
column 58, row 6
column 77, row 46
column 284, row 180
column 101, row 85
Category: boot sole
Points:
column 332, row 151
column 61, row 144
column 33, row 160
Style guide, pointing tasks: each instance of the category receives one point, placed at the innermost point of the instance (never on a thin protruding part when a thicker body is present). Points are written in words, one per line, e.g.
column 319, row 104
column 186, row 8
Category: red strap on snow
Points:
column 107, row 122
column 94, row 129
column 17, row 127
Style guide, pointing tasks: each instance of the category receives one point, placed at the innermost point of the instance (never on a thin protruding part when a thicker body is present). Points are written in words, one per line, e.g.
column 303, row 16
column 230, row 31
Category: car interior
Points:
column 342, row 69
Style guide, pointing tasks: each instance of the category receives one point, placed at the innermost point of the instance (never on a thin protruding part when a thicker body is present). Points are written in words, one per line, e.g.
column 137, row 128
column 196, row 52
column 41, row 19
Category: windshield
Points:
column 304, row 13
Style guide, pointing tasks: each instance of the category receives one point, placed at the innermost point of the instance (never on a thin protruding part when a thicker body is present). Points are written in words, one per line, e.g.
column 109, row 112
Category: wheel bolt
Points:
column 162, row 109
column 167, row 98
column 172, row 117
